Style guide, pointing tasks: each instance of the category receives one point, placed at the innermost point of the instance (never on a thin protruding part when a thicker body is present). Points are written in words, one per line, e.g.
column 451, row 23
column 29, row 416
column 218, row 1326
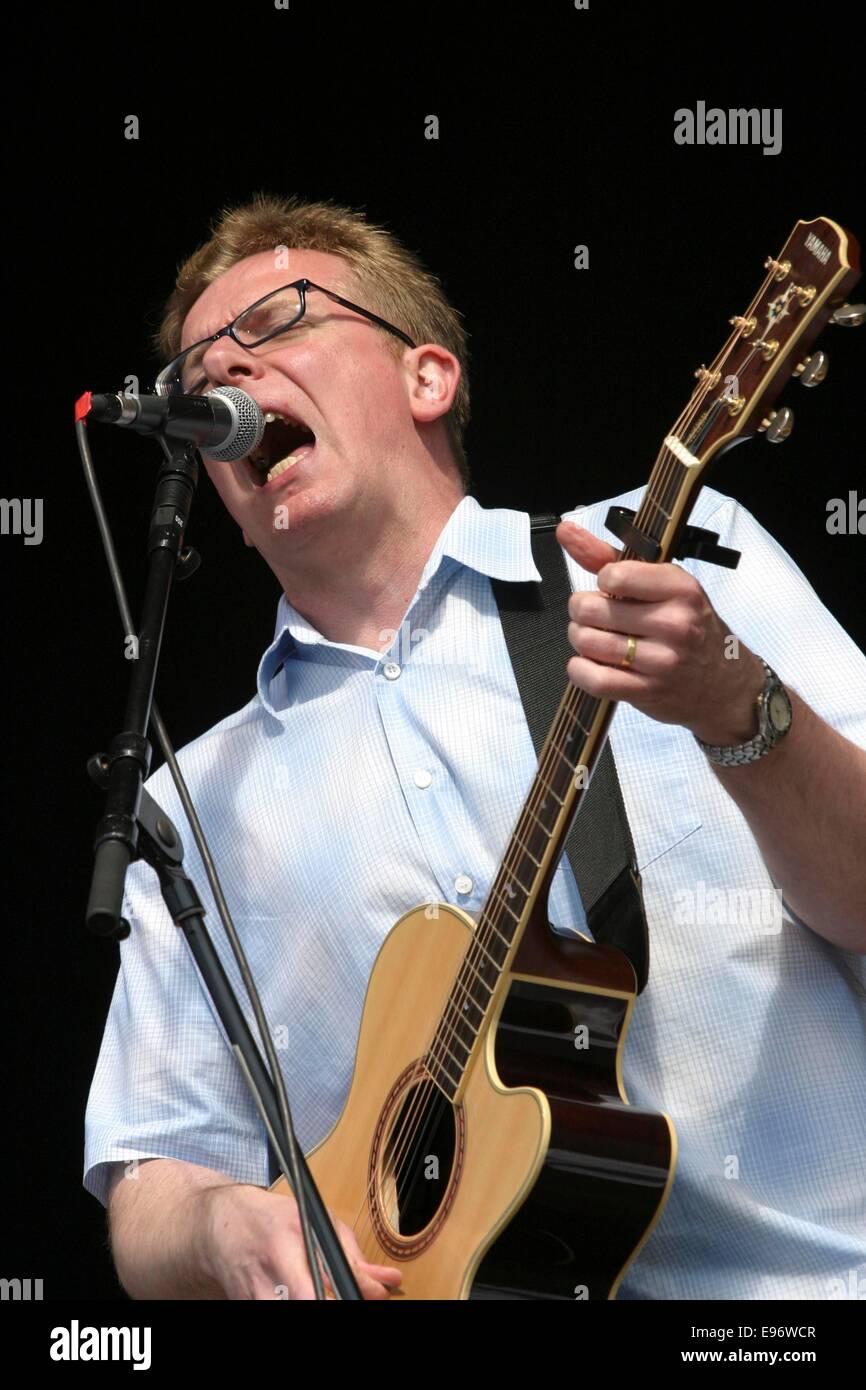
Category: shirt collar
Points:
column 493, row 540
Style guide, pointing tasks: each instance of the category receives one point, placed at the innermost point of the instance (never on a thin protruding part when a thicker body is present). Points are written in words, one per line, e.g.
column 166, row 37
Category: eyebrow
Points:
column 200, row 338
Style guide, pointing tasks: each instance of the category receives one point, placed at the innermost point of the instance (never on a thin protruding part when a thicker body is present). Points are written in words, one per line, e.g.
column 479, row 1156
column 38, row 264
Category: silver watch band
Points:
column 748, row 752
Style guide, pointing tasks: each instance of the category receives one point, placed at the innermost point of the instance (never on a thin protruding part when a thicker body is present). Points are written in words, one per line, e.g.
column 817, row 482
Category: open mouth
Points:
column 284, row 443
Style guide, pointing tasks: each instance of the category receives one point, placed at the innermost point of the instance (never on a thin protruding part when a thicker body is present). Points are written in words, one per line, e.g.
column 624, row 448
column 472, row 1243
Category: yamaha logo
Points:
column 817, row 247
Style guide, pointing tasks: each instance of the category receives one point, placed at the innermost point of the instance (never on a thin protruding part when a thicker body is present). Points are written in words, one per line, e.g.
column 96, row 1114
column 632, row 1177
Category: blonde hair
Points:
column 384, row 277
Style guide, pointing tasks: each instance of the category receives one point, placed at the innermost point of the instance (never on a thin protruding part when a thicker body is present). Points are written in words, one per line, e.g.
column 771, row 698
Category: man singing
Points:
column 385, row 756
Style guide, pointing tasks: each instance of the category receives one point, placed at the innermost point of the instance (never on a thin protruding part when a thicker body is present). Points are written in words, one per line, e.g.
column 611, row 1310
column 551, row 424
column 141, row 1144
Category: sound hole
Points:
column 418, row 1160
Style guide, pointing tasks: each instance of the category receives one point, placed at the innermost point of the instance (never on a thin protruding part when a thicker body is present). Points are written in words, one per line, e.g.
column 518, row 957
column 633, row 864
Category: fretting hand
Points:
column 683, row 665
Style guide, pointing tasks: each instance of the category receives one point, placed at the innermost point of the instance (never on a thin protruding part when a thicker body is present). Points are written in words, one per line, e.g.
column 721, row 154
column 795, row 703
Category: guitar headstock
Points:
column 805, row 286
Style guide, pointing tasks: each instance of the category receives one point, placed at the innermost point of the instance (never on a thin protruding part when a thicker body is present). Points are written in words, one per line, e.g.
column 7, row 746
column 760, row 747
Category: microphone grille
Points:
column 250, row 425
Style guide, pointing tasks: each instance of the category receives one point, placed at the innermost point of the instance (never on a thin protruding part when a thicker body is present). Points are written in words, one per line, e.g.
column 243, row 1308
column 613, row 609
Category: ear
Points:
column 247, row 540
column 434, row 375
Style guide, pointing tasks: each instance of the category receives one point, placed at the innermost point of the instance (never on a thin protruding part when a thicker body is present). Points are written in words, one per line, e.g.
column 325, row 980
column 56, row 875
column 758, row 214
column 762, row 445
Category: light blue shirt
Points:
column 357, row 784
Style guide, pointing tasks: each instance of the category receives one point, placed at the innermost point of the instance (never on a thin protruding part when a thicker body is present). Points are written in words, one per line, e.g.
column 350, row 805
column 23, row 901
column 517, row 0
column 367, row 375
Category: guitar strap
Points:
column 599, row 844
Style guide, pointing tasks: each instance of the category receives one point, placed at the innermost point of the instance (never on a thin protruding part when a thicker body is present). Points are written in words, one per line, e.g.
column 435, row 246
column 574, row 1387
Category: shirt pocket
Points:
column 658, row 766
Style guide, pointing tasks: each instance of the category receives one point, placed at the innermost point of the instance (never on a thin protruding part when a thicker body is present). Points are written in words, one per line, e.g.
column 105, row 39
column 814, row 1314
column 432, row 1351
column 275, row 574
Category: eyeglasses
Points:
column 262, row 322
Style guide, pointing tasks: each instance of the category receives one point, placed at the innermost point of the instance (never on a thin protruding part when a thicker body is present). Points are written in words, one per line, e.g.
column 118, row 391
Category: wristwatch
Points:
column 774, row 721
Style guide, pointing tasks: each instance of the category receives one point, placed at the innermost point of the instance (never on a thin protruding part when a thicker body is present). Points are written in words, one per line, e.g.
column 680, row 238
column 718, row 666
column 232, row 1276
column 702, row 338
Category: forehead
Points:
column 253, row 277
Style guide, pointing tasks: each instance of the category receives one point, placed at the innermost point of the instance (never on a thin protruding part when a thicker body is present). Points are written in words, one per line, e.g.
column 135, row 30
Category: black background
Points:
column 556, row 129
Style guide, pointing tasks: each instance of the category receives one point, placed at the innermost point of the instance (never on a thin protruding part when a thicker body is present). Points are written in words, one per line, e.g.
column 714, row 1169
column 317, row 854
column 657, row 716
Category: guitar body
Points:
column 515, row 1190
column 609, row 1166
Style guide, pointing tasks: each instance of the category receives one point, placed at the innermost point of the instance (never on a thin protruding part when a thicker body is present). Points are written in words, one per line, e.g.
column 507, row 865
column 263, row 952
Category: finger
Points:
column 349, row 1241
column 374, row 1280
column 608, row 682
column 632, row 617
column 588, row 550
column 611, row 648
column 386, row 1274
column 637, row 579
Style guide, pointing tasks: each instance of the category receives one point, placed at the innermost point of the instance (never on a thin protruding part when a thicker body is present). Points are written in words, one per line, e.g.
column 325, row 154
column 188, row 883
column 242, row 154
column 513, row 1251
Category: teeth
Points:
column 271, row 416
column 283, row 466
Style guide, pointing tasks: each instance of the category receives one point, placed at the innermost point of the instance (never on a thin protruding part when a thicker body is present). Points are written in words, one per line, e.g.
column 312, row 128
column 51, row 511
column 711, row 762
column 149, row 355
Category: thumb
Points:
column 589, row 552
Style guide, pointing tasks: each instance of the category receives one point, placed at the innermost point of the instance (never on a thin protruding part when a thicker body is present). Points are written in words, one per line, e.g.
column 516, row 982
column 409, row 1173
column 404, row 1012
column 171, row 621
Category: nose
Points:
column 227, row 363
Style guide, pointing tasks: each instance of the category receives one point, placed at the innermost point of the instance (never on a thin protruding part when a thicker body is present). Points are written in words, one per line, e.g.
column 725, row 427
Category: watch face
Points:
column 779, row 710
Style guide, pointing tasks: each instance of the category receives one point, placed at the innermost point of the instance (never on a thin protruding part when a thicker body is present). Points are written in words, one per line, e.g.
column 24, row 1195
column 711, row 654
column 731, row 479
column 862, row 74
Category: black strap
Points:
column 599, row 844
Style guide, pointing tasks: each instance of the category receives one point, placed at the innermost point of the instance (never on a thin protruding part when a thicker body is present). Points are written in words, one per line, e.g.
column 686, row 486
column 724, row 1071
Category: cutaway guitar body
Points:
column 609, row 1165
column 512, row 1190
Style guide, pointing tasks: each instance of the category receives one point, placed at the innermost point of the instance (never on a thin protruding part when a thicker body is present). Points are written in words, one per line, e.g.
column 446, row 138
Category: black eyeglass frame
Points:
column 301, row 286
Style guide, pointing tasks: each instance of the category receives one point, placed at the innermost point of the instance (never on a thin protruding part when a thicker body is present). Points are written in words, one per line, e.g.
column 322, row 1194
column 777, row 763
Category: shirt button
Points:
column 423, row 778
column 463, row 883
column 391, row 670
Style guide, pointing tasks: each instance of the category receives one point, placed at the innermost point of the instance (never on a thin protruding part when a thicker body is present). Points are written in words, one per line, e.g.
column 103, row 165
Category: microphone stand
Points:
column 133, row 826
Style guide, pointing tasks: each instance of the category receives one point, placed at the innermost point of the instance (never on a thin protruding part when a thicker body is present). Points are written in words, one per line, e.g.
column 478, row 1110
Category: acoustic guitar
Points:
column 487, row 1145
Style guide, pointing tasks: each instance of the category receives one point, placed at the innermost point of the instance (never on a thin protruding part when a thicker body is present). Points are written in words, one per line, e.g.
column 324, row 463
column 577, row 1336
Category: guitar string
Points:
column 407, row 1132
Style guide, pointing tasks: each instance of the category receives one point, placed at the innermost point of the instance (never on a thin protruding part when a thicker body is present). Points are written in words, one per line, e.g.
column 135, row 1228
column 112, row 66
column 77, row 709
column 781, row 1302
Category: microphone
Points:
column 227, row 423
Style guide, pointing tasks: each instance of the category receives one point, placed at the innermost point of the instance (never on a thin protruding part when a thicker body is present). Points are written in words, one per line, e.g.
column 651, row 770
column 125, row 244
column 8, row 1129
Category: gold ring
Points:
column 631, row 648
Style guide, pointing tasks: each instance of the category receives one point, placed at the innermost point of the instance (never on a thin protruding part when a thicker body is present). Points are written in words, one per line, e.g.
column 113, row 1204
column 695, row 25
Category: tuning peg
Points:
column 814, row 369
column 778, row 424
column 849, row 315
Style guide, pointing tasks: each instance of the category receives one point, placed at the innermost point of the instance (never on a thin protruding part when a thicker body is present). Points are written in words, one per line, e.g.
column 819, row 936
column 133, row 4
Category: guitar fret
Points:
column 549, row 788
column 475, row 1005
column 465, row 984
column 461, row 1012
column 482, row 921
column 446, row 1086
column 659, row 508
column 523, row 886
column 467, row 965
column 536, row 862
column 515, row 915
column 547, row 832
column 569, row 763
column 457, row 1022
column 476, row 941
column 439, row 1066
column 510, row 882
column 455, row 1037
column 453, row 1026
column 449, row 1054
